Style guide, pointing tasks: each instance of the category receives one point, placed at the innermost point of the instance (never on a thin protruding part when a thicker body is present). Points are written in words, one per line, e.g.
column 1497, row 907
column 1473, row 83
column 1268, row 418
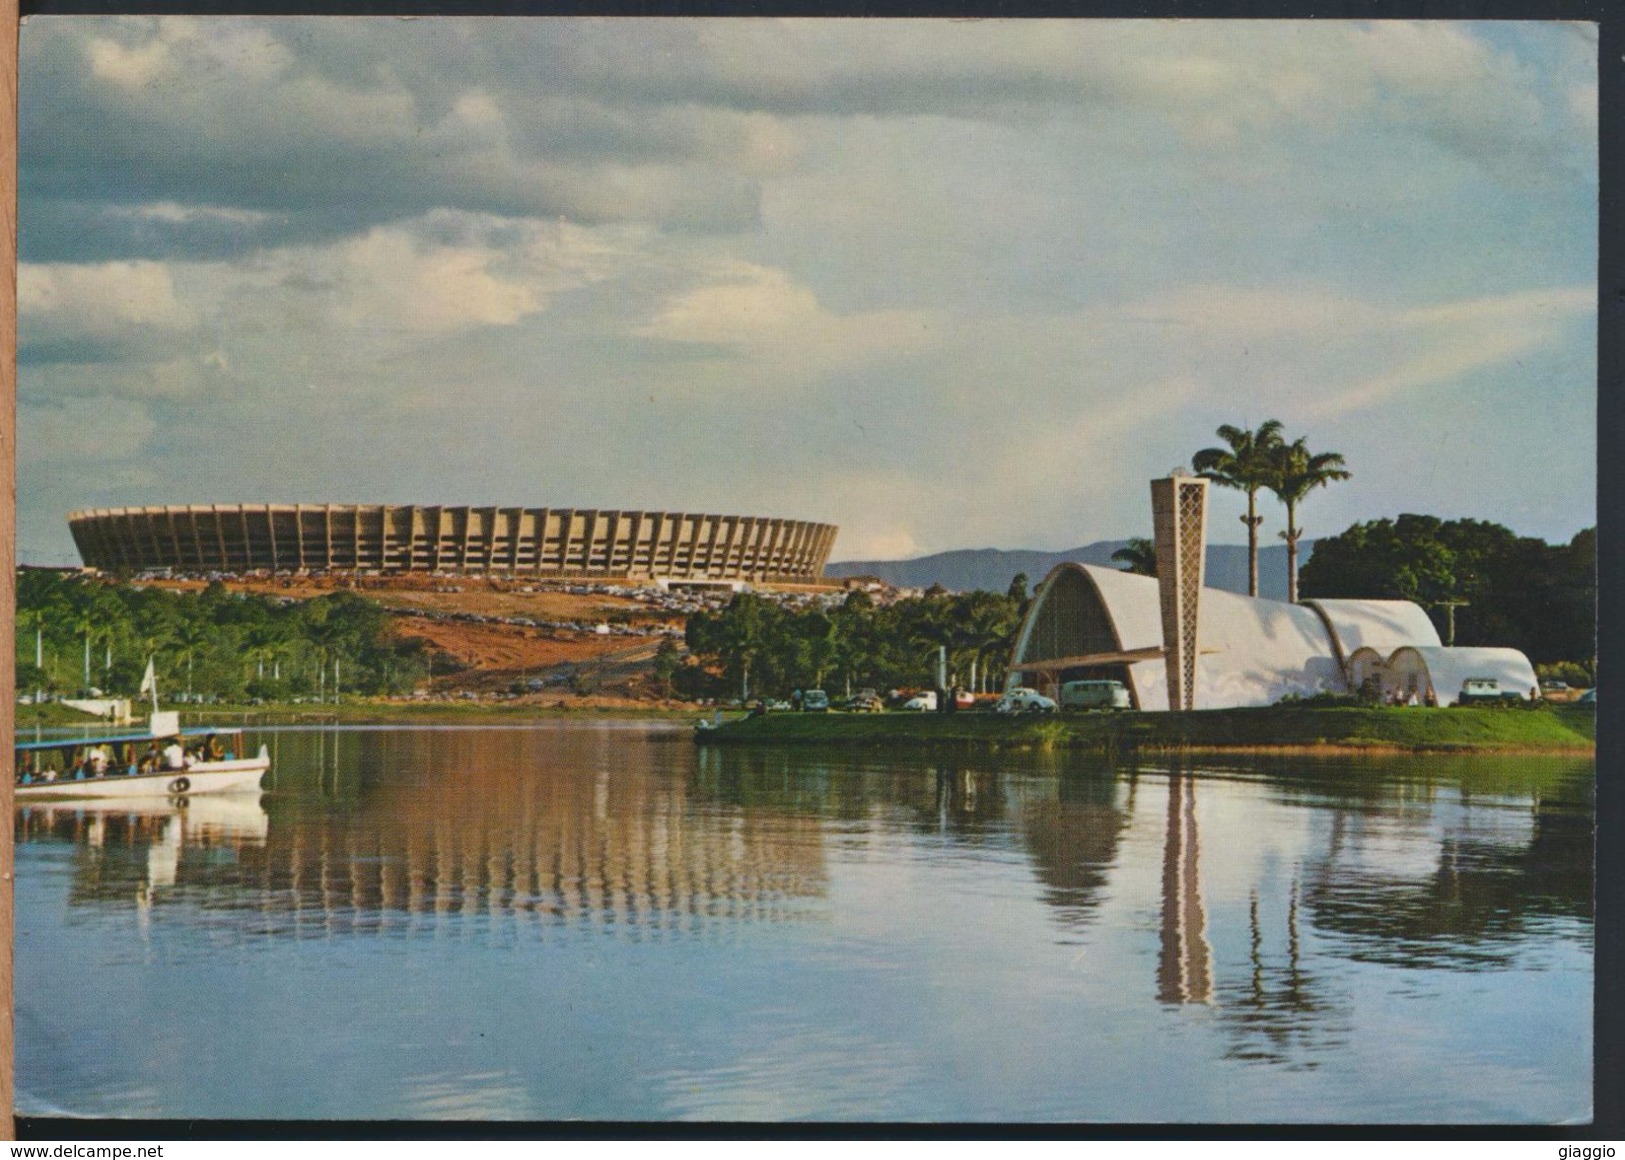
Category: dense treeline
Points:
column 1520, row 592
column 770, row 650
column 213, row 643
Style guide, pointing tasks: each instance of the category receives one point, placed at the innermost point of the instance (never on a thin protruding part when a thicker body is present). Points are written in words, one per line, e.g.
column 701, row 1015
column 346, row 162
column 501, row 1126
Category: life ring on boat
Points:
column 180, row 785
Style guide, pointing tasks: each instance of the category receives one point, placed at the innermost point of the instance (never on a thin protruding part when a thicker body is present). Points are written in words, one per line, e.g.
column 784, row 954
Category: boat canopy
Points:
column 121, row 738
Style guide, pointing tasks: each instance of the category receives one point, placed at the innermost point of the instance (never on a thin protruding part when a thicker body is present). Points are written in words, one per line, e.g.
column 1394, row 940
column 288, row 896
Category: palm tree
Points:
column 195, row 636
column 1297, row 473
column 1140, row 555
column 1247, row 464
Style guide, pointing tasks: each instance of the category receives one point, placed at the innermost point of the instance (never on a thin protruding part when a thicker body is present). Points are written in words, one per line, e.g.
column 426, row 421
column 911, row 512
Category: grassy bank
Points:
column 362, row 711
column 365, row 712
column 1552, row 729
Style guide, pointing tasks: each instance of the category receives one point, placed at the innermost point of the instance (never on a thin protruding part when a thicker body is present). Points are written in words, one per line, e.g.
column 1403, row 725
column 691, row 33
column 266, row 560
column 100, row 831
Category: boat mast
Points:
column 149, row 684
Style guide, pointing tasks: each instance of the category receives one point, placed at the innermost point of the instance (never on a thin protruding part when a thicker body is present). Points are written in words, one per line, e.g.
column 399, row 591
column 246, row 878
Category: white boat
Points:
column 132, row 765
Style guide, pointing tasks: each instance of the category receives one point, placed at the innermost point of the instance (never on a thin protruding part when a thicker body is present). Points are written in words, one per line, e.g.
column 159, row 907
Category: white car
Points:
column 925, row 702
column 1020, row 700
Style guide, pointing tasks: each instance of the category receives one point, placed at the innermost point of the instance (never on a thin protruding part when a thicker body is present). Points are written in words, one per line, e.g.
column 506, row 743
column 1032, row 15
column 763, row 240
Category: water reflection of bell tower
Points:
column 1185, row 966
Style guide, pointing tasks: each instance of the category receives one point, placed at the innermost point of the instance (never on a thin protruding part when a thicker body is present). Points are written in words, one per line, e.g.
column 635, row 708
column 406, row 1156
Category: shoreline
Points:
column 1274, row 730
column 1555, row 730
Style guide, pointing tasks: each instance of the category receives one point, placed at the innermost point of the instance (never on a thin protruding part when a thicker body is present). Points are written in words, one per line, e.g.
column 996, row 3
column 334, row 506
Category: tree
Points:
column 1248, row 464
column 1140, row 556
column 817, row 647
column 1520, row 592
column 666, row 664
column 1294, row 473
column 194, row 637
column 1018, row 588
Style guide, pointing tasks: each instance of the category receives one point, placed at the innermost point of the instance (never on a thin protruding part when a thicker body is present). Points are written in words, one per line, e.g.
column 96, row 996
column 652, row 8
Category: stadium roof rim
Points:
column 140, row 509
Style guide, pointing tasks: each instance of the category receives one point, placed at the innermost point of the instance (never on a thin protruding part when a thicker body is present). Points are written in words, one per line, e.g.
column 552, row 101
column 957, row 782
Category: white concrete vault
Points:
column 1089, row 621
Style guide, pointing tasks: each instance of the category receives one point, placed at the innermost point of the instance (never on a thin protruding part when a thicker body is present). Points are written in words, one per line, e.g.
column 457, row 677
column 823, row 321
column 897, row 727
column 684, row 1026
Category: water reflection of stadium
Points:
column 510, row 840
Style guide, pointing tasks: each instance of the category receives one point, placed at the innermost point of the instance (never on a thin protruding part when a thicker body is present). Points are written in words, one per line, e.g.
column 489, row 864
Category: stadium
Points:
column 549, row 543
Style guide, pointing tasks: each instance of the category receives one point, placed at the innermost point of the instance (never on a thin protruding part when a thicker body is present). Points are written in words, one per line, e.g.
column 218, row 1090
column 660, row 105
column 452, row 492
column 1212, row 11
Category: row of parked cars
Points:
column 1108, row 695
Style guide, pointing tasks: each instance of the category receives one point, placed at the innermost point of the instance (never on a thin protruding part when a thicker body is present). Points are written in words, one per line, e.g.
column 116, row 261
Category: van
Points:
column 1485, row 691
column 1095, row 695
column 815, row 701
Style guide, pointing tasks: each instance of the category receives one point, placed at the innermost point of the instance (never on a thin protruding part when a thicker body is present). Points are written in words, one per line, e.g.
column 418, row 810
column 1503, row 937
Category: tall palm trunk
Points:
column 1252, row 519
column 1292, row 534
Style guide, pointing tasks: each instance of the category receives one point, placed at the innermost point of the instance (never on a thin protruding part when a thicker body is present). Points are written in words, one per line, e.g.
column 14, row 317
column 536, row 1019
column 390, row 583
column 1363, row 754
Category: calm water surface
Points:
column 601, row 921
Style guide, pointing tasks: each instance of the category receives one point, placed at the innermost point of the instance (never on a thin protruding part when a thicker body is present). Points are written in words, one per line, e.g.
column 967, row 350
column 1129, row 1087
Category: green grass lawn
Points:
column 1549, row 729
column 1557, row 728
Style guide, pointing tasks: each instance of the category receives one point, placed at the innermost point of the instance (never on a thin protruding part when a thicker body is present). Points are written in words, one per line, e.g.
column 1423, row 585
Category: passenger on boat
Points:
column 212, row 750
column 151, row 759
column 96, row 761
column 175, row 755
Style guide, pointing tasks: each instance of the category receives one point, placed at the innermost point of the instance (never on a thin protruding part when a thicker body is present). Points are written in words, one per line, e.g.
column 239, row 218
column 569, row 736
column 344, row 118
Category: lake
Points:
column 600, row 920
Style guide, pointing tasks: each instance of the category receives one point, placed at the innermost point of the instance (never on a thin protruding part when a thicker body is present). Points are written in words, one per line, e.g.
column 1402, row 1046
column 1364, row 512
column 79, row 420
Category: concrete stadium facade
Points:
column 563, row 543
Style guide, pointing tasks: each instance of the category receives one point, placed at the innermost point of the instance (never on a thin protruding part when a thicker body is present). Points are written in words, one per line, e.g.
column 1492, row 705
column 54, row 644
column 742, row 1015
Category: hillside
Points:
column 993, row 569
column 488, row 635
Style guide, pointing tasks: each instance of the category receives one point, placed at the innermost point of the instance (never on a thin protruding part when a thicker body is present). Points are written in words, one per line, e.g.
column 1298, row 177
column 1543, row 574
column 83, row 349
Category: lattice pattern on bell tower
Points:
column 1179, row 529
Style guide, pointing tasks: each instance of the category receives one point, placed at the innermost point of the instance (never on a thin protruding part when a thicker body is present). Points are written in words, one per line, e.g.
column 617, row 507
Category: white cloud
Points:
column 1437, row 347
column 99, row 304
column 440, row 274
column 870, row 265
column 763, row 313
column 174, row 213
column 389, row 279
column 1319, row 352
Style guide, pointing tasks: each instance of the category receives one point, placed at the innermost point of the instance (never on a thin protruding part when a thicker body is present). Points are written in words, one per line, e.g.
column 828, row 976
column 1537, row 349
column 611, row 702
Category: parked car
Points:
column 1023, row 700
column 1485, row 691
column 815, row 701
column 1095, row 695
column 925, row 702
column 964, row 700
column 865, row 701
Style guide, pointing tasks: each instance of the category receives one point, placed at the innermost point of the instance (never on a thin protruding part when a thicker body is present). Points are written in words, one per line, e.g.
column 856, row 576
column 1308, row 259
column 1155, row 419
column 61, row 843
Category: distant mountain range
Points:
column 992, row 569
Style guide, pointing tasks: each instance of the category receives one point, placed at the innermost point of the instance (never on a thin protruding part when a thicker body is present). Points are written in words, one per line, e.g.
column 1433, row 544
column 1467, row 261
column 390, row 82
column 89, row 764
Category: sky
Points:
column 947, row 284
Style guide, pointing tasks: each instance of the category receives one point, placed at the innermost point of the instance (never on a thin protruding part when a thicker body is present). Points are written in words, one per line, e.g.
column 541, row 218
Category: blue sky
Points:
column 946, row 284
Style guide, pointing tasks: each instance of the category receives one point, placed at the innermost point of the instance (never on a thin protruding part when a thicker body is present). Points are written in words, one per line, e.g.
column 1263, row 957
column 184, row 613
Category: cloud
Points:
column 95, row 313
column 83, row 434
column 322, row 127
column 942, row 283
column 1448, row 343
column 763, row 314
column 260, row 119
column 387, row 278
